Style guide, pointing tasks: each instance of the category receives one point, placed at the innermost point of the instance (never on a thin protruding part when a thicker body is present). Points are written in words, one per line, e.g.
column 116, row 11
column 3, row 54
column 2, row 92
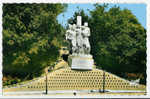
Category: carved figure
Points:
column 71, row 35
column 86, row 34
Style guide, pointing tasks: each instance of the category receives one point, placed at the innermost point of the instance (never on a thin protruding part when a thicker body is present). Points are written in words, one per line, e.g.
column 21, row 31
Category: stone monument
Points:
column 78, row 35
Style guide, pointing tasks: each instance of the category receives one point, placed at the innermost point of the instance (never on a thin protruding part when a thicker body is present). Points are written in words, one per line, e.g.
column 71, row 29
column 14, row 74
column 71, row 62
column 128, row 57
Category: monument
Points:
column 81, row 76
column 78, row 35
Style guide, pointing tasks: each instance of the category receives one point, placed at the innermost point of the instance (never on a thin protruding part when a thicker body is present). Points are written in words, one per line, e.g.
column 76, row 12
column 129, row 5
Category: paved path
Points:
column 71, row 93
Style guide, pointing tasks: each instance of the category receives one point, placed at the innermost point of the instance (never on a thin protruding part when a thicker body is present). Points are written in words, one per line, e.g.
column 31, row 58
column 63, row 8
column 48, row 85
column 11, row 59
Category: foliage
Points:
column 9, row 81
column 118, row 41
column 31, row 38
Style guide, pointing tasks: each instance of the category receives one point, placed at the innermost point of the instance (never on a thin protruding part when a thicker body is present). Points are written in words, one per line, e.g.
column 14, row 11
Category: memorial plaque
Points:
column 82, row 63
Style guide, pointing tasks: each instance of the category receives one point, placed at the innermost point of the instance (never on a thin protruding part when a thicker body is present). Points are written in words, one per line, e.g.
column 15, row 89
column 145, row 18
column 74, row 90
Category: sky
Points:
column 139, row 10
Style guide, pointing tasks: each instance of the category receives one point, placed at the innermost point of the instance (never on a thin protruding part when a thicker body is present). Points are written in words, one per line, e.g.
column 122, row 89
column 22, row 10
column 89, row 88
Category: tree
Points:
column 31, row 38
column 118, row 41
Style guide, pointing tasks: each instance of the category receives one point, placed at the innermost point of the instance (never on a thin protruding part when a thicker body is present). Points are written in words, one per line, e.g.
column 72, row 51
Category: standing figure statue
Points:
column 86, row 34
column 79, row 40
column 71, row 35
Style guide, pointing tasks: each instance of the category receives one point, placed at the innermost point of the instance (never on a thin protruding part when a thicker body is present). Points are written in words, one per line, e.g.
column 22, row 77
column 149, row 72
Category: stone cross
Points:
column 79, row 20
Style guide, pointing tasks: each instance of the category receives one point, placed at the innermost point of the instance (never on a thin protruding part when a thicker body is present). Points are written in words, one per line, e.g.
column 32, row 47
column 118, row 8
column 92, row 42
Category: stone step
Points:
column 67, row 79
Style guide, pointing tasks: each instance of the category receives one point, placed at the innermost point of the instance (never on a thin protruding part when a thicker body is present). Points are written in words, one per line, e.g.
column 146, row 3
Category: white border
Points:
column 148, row 48
column 147, row 2
column 1, row 49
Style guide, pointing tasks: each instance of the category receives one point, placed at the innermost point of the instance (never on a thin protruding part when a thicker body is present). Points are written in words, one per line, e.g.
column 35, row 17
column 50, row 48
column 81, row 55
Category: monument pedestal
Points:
column 68, row 79
column 81, row 62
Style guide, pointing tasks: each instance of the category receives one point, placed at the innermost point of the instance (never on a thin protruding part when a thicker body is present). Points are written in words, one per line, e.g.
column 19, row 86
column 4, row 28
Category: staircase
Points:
column 67, row 79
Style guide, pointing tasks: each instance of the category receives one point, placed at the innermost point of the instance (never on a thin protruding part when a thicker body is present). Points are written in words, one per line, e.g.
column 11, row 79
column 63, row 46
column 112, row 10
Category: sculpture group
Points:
column 78, row 35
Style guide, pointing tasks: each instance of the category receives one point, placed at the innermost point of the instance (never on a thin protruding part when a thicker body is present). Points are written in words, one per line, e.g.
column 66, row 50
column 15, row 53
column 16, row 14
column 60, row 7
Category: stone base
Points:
column 68, row 79
column 81, row 62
